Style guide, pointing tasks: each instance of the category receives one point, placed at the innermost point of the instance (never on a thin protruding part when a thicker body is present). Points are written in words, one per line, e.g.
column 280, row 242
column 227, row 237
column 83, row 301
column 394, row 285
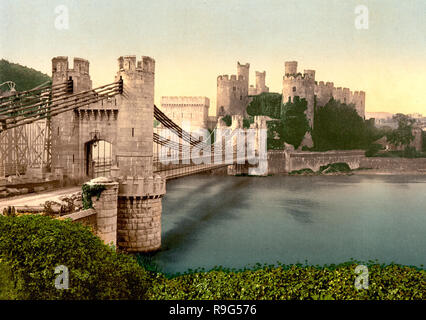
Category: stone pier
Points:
column 106, row 210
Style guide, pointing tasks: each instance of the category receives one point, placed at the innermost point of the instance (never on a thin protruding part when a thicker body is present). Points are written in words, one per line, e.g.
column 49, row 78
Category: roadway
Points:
column 36, row 199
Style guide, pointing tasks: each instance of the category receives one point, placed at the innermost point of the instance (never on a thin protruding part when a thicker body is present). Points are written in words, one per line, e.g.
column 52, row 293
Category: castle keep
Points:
column 305, row 86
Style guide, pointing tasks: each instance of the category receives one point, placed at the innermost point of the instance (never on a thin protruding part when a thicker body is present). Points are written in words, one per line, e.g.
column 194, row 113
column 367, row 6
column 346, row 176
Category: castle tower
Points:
column 303, row 86
column 134, row 138
column 232, row 92
column 244, row 70
column 65, row 127
column 290, row 67
column 261, row 82
column 140, row 191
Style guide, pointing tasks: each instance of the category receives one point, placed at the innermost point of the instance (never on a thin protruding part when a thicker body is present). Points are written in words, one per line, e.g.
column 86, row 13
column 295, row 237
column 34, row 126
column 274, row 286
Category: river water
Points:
column 237, row 222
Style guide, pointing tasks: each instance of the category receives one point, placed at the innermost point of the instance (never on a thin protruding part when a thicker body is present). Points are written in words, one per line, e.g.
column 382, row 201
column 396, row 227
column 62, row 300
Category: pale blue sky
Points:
column 193, row 41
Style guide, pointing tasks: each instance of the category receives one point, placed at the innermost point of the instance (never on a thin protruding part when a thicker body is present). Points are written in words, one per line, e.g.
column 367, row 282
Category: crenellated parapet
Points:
column 325, row 91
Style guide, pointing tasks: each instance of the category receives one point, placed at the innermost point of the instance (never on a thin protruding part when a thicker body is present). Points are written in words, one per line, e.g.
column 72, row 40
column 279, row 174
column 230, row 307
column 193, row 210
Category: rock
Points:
column 4, row 194
column 23, row 191
column 39, row 189
column 12, row 191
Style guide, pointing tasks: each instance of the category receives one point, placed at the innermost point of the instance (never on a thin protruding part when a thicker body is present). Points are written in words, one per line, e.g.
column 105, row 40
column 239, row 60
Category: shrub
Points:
column 32, row 246
column 302, row 171
column 228, row 120
column 335, row 167
column 285, row 282
column 373, row 149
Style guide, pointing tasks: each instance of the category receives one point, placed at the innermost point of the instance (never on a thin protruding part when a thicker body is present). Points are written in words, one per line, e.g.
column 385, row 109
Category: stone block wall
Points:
column 86, row 217
column 394, row 164
column 276, row 161
column 314, row 160
column 106, row 211
column 139, row 224
column 139, row 213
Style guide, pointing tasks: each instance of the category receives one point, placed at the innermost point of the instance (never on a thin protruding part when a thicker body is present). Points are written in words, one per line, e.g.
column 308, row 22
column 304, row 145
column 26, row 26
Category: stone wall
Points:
column 86, row 217
column 106, row 210
column 276, row 161
column 394, row 164
column 190, row 113
column 139, row 213
column 314, row 160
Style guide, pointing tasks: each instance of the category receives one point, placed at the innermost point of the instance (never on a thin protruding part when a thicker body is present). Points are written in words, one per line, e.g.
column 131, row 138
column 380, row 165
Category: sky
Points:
column 194, row 41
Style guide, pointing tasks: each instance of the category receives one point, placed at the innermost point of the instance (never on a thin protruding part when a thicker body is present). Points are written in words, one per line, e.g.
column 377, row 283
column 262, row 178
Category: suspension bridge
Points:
column 54, row 131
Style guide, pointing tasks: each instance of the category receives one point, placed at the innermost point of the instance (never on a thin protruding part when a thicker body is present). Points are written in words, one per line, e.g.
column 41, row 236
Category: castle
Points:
column 233, row 93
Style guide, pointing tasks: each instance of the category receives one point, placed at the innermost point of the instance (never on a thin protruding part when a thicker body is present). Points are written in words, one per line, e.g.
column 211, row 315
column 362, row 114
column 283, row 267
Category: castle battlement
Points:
column 185, row 101
column 224, row 79
column 130, row 63
column 79, row 73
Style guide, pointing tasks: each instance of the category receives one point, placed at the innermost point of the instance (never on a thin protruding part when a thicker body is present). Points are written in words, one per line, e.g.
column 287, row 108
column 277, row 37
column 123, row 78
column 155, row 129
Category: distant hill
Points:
column 24, row 78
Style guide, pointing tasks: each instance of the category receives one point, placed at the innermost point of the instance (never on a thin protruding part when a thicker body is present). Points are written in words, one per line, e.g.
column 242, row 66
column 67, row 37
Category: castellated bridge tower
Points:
column 303, row 86
column 126, row 122
column 65, row 126
column 232, row 92
column 140, row 192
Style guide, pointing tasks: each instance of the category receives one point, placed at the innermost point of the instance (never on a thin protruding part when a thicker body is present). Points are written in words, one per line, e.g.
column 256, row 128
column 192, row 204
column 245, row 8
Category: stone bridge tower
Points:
column 65, row 149
column 125, row 121
column 140, row 191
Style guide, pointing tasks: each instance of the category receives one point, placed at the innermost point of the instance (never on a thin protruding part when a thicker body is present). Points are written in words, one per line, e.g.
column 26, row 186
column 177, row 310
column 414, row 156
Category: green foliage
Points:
column 338, row 126
column 275, row 139
column 304, row 171
column 403, row 135
column 24, row 78
column 329, row 168
column 294, row 121
column 285, row 282
column 247, row 122
column 7, row 286
column 266, row 104
column 89, row 191
column 228, row 120
column 373, row 149
column 32, row 246
column 408, row 152
column 424, row 141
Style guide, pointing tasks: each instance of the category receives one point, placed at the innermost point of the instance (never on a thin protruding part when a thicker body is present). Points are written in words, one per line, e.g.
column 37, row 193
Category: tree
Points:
column 338, row 126
column 403, row 135
column 265, row 104
column 294, row 122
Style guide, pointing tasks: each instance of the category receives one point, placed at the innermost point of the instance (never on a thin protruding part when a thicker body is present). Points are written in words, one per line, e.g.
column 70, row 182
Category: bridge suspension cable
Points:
column 49, row 101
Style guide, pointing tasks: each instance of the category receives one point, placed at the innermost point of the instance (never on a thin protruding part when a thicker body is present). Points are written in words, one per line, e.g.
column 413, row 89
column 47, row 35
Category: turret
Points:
column 290, row 67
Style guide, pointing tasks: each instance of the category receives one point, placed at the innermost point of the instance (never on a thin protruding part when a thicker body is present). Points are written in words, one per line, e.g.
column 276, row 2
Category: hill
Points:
column 25, row 78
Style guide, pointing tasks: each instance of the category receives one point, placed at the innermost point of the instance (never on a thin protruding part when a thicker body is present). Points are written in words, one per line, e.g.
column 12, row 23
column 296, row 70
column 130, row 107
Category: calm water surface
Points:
column 240, row 221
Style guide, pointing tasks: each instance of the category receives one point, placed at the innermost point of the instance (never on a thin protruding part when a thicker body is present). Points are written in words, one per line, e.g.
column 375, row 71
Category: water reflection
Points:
column 237, row 221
